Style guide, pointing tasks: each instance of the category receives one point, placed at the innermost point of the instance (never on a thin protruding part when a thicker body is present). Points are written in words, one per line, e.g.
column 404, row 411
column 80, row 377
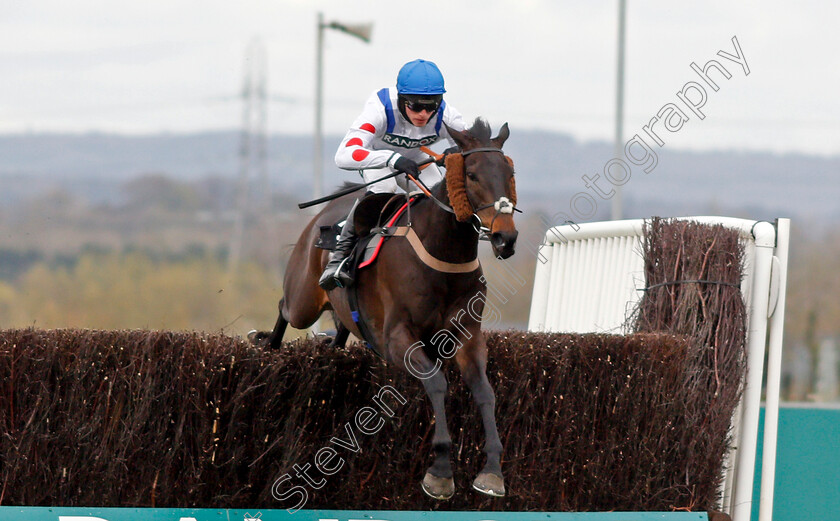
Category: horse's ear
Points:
column 463, row 139
column 504, row 133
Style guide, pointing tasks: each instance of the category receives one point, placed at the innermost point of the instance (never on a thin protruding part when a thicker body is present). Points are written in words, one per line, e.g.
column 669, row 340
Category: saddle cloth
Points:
column 375, row 244
column 369, row 243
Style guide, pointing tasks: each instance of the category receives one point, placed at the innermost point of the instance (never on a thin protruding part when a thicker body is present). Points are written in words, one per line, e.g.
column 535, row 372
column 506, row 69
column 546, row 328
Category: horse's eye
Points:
column 472, row 176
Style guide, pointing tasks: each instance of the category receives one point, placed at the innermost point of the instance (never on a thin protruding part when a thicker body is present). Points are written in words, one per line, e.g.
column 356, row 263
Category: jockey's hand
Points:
column 408, row 166
column 451, row 150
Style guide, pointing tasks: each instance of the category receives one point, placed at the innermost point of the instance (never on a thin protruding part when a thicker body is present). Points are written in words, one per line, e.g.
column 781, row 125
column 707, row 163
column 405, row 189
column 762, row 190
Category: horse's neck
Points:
column 442, row 234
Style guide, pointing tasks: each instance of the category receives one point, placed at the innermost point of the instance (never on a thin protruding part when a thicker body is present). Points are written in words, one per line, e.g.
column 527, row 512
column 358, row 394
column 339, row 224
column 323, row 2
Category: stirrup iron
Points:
column 339, row 272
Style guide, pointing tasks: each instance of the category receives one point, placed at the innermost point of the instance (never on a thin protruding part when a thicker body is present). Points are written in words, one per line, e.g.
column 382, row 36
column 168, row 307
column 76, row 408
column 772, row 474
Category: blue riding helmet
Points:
column 420, row 77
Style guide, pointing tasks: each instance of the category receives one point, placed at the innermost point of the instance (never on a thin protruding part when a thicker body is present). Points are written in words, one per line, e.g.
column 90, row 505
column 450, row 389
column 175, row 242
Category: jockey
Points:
column 383, row 140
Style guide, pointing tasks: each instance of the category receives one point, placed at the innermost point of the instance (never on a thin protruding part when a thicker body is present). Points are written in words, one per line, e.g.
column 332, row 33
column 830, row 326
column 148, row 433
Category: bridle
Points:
column 503, row 205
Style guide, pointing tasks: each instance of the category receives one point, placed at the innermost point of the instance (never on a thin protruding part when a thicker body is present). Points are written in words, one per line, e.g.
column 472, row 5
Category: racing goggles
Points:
column 430, row 105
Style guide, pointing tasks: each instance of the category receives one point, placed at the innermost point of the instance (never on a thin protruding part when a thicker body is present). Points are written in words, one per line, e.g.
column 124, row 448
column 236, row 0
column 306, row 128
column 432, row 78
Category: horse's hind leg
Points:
column 341, row 335
column 275, row 338
column 472, row 360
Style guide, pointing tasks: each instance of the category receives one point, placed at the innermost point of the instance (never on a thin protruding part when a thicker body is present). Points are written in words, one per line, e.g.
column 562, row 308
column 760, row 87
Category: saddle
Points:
column 375, row 213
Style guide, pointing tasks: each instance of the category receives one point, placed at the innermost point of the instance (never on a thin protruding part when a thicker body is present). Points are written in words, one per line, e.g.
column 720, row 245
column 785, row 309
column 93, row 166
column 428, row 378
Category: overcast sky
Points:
column 177, row 66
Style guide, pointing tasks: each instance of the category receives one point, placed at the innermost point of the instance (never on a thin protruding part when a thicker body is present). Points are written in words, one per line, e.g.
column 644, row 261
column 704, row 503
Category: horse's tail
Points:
column 348, row 185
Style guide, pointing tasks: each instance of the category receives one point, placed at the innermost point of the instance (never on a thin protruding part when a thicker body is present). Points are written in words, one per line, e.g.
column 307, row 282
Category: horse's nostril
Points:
column 504, row 239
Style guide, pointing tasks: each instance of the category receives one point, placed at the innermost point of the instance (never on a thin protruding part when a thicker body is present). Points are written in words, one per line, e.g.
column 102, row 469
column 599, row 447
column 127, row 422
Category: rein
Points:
column 502, row 206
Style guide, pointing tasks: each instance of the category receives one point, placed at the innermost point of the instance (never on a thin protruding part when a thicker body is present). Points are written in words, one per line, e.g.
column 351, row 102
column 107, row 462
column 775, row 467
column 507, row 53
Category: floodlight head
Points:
column 360, row 31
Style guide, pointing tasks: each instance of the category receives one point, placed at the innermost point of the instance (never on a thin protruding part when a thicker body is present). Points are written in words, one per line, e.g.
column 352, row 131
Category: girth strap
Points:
column 355, row 308
column 427, row 258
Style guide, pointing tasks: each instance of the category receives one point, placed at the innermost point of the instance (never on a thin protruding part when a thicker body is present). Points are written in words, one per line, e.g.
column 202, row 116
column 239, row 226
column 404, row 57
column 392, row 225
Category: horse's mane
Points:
column 480, row 130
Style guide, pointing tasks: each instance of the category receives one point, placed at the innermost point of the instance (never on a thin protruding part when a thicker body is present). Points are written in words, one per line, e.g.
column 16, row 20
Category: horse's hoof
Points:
column 490, row 484
column 438, row 488
column 324, row 337
column 257, row 338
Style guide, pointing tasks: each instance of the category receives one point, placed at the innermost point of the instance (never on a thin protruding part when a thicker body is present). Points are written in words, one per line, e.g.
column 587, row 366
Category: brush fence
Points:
column 589, row 278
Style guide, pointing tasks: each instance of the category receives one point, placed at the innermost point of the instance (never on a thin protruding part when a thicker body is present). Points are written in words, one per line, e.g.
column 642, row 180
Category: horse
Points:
column 410, row 307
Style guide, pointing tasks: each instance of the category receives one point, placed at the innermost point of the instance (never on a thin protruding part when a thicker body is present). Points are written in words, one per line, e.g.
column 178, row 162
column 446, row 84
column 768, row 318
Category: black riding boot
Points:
column 336, row 273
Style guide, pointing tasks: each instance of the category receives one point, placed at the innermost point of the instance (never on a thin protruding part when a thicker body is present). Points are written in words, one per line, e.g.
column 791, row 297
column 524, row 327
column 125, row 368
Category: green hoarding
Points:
column 807, row 484
column 209, row 514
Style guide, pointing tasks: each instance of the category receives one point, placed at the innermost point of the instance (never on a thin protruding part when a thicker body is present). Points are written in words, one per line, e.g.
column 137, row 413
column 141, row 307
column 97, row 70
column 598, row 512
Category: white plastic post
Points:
column 765, row 235
column 774, row 371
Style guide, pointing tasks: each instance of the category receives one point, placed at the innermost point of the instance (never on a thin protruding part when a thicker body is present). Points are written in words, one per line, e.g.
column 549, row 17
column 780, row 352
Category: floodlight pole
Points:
column 318, row 174
column 617, row 207
column 359, row 31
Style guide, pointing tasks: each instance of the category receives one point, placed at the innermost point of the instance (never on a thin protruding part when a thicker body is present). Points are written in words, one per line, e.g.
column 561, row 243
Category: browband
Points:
column 484, row 149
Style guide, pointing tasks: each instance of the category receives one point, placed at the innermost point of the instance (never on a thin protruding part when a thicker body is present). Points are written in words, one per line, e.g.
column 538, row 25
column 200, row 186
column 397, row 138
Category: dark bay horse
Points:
column 418, row 310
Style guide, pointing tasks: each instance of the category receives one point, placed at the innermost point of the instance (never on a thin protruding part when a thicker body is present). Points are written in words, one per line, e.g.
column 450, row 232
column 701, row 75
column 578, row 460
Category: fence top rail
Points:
column 763, row 232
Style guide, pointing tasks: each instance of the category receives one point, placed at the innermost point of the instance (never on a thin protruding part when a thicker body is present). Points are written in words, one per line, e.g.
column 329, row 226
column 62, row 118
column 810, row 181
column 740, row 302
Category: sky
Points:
column 178, row 66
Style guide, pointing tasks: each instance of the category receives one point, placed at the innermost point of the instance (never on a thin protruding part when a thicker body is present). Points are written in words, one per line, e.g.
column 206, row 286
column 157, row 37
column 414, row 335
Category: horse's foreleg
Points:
column 441, row 442
column 438, row 481
column 472, row 360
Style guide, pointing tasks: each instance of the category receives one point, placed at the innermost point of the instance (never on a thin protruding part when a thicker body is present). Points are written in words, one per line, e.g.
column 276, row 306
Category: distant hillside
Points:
column 550, row 167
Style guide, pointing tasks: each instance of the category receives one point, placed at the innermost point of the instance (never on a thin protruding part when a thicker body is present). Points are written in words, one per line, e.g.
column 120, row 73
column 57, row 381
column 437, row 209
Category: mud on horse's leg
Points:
column 472, row 360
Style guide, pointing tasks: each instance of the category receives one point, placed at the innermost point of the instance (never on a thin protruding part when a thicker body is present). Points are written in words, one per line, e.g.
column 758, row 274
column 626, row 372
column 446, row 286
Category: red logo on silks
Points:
column 370, row 128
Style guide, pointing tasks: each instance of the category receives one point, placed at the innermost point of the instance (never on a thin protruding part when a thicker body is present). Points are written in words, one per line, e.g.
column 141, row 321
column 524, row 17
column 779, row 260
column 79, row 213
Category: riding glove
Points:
column 450, row 150
column 404, row 164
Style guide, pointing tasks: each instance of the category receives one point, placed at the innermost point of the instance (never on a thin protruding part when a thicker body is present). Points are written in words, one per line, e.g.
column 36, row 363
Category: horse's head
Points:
column 481, row 185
